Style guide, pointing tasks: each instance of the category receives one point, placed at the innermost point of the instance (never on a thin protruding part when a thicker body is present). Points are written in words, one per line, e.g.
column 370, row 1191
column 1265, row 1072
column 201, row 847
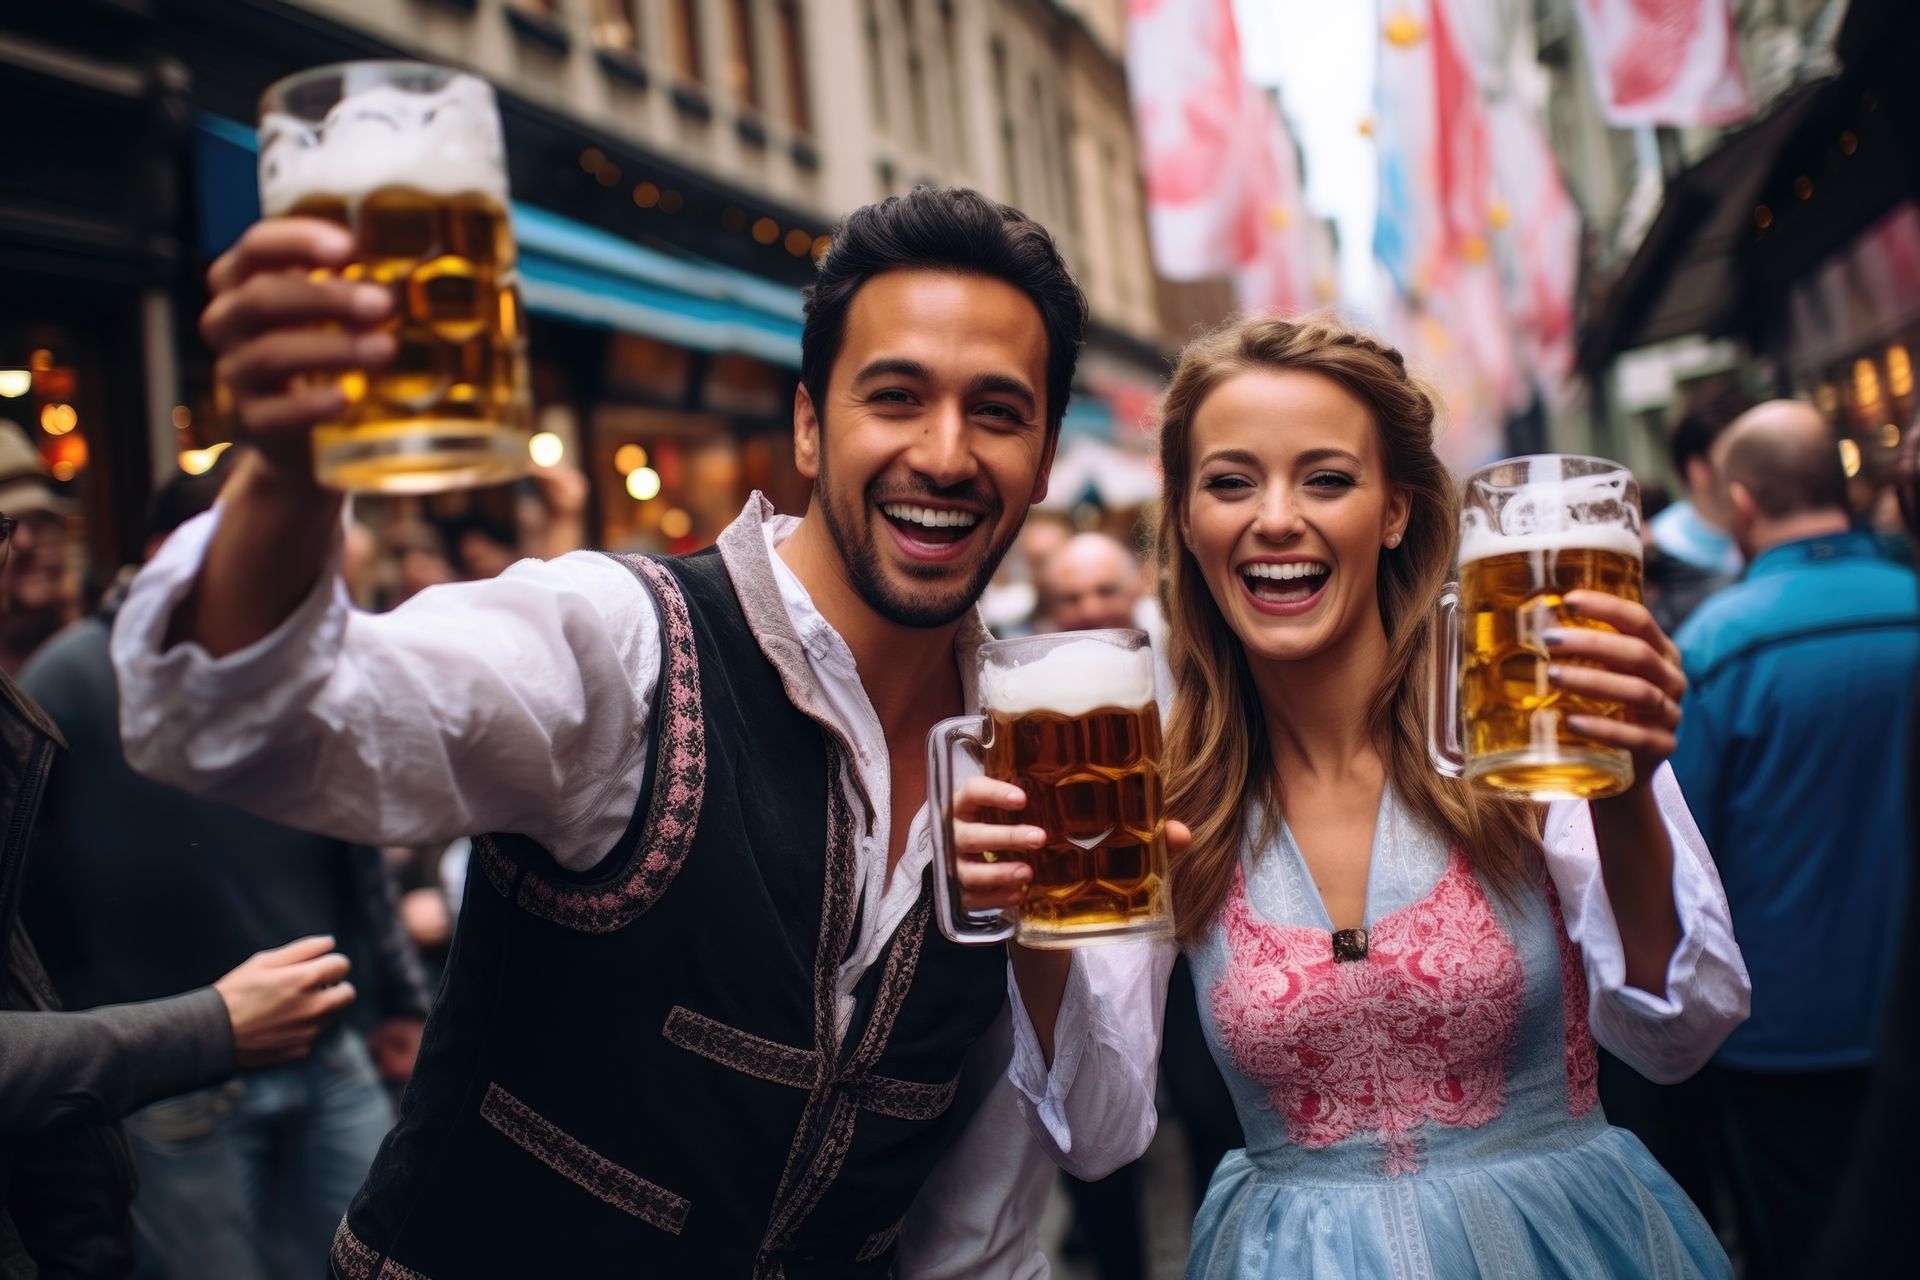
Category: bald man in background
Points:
column 1793, row 755
column 1092, row 582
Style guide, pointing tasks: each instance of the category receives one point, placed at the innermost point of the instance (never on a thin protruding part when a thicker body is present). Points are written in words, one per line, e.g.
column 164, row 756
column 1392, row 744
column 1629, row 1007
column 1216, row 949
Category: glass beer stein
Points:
column 409, row 158
column 1070, row 719
column 1531, row 530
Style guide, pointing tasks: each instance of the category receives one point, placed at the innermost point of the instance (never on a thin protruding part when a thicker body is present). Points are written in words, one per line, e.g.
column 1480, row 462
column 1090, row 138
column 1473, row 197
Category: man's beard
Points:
column 852, row 533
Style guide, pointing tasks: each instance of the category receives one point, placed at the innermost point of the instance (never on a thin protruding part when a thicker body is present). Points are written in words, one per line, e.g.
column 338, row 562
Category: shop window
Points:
column 743, row 61
column 791, row 39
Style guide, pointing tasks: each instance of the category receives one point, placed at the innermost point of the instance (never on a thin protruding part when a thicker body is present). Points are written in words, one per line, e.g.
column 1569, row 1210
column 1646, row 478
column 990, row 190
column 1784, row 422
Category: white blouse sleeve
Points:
column 1093, row 1111
column 517, row 704
column 1665, row 1038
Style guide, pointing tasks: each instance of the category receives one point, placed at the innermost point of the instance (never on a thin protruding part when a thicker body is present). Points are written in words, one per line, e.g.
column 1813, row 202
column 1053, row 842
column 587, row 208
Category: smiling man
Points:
column 698, row 1019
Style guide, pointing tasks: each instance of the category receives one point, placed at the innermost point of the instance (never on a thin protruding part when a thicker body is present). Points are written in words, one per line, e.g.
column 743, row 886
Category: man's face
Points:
column 933, row 441
column 36, row 567
column 1090, row 585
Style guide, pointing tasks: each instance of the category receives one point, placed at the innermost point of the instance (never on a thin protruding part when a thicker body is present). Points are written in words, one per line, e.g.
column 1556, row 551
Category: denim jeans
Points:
column 247, row 1180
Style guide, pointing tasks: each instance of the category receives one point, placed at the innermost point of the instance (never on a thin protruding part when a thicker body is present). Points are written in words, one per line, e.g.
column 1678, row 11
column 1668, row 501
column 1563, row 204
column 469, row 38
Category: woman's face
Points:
column 1288, row 509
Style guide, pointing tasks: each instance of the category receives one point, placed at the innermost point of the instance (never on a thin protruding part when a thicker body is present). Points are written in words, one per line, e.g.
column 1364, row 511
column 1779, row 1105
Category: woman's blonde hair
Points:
column 1219, row 761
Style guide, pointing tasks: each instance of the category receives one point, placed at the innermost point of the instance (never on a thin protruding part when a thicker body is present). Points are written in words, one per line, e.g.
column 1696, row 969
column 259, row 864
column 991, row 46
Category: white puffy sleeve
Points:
column 1665, row 1038
column 516, row 704
column 1093, row 1110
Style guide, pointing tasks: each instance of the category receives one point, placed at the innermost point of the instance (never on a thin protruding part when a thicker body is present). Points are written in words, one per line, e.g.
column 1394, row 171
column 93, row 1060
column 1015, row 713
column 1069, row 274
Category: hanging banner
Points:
column 1184, row 75
column 1665, row 62
column 1537, row 241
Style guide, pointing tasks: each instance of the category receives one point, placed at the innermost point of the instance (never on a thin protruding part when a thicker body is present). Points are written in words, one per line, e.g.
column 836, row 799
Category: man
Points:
column 1693, row 555
column 698, row 1019
column 67, row 1078
column 142, row 890
column 38, row 584
column 1093, row 582
column 1793, row 755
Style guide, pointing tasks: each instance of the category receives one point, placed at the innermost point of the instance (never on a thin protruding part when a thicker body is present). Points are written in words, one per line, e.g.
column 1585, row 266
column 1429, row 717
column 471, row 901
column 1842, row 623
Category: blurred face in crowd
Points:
column 1288, row 507
column 1089, row 584
column 933, row 442
column 36, row 566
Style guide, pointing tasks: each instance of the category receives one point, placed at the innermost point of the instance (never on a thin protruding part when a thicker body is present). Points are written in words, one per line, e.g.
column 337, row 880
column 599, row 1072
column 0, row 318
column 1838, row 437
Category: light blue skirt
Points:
column 1602, row 1209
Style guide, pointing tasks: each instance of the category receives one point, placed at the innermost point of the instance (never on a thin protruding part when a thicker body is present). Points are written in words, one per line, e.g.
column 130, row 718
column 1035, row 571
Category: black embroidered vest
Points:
column 635, row 1071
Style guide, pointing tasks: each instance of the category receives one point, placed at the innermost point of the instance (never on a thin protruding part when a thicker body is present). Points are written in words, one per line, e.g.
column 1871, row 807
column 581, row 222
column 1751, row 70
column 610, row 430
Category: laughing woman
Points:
column 1402, row 977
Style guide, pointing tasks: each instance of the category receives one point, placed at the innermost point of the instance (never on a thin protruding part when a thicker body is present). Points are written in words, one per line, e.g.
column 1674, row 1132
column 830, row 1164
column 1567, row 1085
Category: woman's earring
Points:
column 1393, row 540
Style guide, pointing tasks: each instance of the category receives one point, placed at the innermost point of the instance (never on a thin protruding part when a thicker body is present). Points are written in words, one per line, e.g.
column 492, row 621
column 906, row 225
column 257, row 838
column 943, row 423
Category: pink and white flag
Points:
column 1537, row 239
column 1665, row 62
column 1184, row 75
column 1221, row 170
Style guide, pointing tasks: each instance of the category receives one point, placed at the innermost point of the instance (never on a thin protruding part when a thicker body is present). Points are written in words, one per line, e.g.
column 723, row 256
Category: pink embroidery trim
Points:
column 1421, row 1030
column 579, row 1164
column 673, row 807
column 1583, row 1057
column 356, row 1261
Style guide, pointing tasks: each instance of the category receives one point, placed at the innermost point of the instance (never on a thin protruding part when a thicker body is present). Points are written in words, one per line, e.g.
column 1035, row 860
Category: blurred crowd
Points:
column 1785, row 586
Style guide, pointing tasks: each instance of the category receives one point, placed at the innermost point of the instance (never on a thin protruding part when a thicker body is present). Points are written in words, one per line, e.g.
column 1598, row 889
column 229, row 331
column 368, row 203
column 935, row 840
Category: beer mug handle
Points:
column 948, row 739
column 1445, row 743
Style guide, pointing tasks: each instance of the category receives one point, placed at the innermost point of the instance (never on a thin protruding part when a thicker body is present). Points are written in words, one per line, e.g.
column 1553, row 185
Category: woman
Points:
column 1418, row 1099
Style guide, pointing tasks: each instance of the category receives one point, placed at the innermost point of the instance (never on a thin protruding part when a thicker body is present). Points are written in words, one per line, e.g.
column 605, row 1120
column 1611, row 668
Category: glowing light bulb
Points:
column 546, row 449
column 643, row 483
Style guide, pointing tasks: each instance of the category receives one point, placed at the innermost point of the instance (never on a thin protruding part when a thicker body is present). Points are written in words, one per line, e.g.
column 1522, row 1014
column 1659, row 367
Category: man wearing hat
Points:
column 39, row 588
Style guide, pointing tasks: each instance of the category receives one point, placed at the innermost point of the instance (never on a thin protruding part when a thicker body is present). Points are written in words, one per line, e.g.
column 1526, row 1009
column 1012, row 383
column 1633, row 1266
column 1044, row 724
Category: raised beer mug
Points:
column 1070, row 719
column 1531, row 530
column 409, row 158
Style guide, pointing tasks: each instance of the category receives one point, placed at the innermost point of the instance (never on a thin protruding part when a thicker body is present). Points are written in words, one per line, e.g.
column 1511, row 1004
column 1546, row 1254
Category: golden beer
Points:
column 1516, row 735
column 1070, row 719
column 408, row 158
column 1093, row 785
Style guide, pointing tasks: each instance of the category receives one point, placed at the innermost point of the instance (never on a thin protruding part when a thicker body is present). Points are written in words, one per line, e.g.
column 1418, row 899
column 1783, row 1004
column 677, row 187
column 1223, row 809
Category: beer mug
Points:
column 409, row 158
column 1531, row 530
column 1070, row 719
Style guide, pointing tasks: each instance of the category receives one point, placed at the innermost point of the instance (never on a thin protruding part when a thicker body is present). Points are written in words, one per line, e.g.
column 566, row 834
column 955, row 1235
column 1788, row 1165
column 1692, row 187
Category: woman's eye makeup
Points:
column 1330, row 480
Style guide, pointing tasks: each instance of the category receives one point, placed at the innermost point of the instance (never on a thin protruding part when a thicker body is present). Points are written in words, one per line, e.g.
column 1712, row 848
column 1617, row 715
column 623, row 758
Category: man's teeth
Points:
column 929, row 517
column 1284, row 572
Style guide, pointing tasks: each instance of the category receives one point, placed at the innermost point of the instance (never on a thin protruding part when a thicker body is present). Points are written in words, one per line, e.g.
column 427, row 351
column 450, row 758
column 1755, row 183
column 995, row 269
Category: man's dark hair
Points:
column 1693, row 436
column 1787, row 471
column 945, row 229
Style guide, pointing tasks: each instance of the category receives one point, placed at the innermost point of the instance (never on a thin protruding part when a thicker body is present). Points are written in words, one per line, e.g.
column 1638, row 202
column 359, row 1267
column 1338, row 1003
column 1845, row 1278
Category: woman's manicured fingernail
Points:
column 1553, row 670
column 1033, row 837
column 373, row 348
column 1553, row 635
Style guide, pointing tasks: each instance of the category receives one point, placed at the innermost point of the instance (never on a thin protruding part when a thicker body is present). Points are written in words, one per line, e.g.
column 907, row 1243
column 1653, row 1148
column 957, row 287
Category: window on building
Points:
column 916, row 77
column 1046, row 147
column 614, row 26
column 950, row 47
column 743, row 61
column 786, row 19
column 683, row 39
column 1009, row 152
column 1069, row 172
column 876, row 66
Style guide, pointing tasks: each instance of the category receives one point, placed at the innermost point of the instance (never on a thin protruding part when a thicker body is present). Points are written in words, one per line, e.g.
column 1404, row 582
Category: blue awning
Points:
column 567, row 269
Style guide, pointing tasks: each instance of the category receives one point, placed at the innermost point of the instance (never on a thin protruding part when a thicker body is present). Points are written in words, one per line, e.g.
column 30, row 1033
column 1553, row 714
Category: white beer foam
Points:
column 442, row 143
column 1072, row 680
column 1478, row 542
column 1555, row 515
